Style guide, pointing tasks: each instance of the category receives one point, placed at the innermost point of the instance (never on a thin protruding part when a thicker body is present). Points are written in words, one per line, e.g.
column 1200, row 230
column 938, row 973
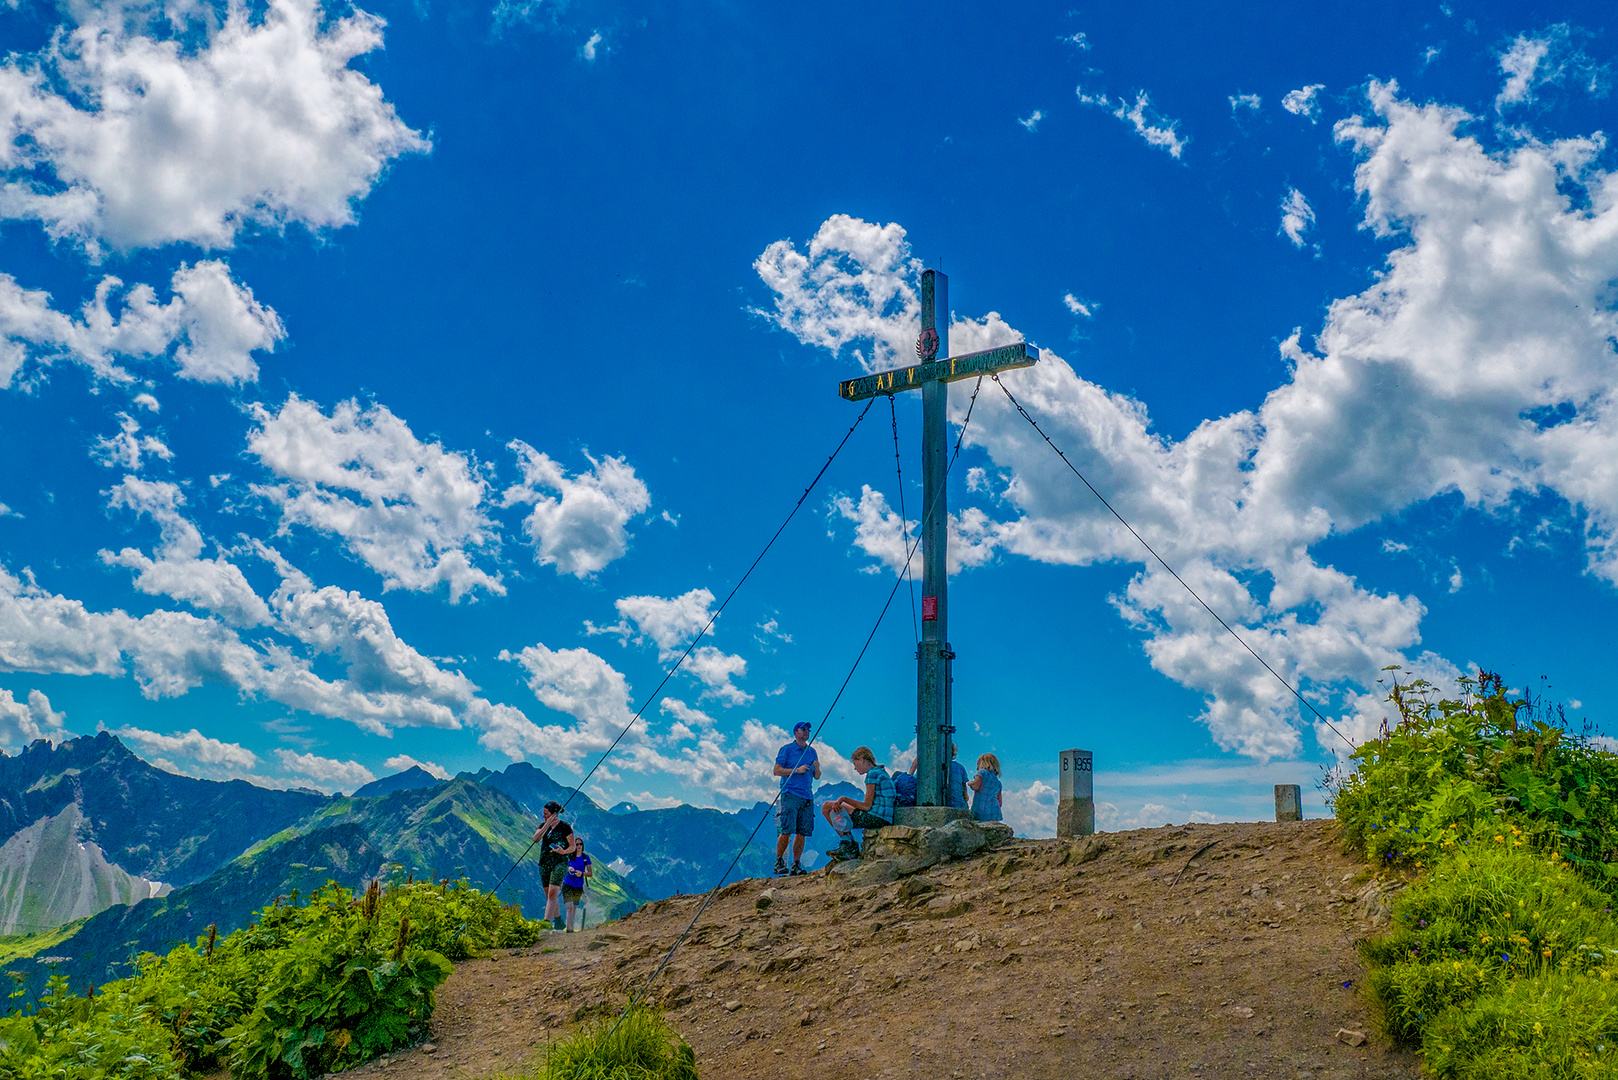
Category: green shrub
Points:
column 638, row 1046
column 73, row 1038
column 1454, row 772
column 1502, row 957
column 328, row 1005
column 308, row 988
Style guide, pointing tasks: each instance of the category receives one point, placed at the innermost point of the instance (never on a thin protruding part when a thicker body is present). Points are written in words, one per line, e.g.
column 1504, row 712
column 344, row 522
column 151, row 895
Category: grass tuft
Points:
column 641, row 1046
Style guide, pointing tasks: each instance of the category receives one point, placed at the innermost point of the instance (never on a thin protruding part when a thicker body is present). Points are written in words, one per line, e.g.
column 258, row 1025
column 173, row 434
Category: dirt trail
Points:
column 1046, row 958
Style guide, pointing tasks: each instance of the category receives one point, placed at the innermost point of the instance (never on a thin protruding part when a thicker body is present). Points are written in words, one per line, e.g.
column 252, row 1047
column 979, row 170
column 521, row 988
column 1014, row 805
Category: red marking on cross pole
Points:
column 929, row 609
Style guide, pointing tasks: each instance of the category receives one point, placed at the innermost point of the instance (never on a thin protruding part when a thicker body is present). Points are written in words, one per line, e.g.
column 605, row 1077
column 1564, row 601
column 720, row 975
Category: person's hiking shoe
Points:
column 558, row 924
column 797, row 870
column 848, row 849
column 780, row 866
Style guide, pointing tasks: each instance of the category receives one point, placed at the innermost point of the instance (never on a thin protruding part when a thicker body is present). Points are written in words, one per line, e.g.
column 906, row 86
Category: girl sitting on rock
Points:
column 986, row 793
column 876, row 812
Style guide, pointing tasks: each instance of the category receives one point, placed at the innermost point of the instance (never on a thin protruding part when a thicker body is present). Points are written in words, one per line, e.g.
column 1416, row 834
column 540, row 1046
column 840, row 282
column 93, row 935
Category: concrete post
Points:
column 1075, row 795
column 1288, row 803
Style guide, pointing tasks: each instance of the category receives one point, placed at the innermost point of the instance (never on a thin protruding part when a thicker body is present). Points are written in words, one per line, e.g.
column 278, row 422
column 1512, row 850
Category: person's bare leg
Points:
column 781, row 847
column 552, row 907
column 572, row 910
column 797, row 848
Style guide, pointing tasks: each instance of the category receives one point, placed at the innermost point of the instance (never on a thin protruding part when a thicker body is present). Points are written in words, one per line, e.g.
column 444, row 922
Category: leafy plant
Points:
column 316, row 985
column 73, row 1038
column 1459, row 771
column 1503, row 954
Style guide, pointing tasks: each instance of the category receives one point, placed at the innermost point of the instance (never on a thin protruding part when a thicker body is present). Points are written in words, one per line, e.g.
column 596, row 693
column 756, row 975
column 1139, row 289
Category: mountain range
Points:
column 145, row 858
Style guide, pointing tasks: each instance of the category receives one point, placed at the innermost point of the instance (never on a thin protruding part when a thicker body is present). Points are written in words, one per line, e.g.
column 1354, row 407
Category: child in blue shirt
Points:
column 578, row 868
column 986, row 792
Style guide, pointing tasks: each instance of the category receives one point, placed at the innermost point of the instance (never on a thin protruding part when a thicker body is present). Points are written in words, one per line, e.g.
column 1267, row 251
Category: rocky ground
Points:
column 1195, row 951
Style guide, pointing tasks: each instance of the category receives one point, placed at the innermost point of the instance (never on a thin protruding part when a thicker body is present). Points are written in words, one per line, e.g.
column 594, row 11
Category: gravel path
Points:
column 1049, row 958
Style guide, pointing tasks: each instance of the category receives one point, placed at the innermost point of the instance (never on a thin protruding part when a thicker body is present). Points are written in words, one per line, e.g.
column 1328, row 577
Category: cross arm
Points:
column 986, row 362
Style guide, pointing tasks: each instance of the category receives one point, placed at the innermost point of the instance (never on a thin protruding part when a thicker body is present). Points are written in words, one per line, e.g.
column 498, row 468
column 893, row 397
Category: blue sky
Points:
column 407, row 382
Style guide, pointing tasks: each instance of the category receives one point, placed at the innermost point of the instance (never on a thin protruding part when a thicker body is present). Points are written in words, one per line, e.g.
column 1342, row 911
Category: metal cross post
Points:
column 931, row 376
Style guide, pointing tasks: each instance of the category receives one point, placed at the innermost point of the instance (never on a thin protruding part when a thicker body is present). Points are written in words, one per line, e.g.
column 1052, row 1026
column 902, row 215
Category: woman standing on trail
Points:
column 986, row 793
column 555, row 838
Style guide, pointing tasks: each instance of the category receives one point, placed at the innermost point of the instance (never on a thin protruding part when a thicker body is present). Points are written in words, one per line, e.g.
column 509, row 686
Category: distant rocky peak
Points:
column 51, row 873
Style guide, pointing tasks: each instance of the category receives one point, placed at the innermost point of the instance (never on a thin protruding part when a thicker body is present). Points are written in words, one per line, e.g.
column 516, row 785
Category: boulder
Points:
column 859, row 872
column 914, row 848
column 998, row 832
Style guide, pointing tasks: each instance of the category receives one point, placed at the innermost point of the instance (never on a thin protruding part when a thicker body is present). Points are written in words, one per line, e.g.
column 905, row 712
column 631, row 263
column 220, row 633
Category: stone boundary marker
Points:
column 1075, row 794
column 1288, row 803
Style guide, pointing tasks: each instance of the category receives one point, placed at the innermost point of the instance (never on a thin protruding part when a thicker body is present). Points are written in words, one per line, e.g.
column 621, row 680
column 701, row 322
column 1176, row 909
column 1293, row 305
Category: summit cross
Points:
column 932, row 376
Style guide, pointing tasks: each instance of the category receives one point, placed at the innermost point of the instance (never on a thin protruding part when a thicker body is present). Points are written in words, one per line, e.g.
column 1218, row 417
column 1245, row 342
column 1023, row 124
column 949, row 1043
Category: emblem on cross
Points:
column 927, row 345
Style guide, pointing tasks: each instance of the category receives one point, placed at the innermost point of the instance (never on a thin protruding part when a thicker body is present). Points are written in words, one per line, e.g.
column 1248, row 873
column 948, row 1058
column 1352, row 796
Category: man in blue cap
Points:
column 795, row 809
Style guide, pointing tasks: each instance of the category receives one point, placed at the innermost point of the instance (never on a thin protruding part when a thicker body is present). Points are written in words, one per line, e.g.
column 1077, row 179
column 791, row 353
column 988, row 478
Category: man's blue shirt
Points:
column 790, row 757
column 957, row 785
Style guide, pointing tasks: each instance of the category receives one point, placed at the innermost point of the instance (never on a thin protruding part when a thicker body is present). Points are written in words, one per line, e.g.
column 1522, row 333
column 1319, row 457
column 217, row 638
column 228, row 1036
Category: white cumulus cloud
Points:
column 193, row 746
column 411, row 510
column 973, row 536
column 22, row 722
column 1156, row 129
column 179, row 570
column 671, row 623
column 386, row 683
column 121, row 133
column 581, row 528
column 1302, row 101
column 584, row 686
column 126, row 449
column 211, row 327
column 1520, row 64
column 1031, row 810
column 328, row 774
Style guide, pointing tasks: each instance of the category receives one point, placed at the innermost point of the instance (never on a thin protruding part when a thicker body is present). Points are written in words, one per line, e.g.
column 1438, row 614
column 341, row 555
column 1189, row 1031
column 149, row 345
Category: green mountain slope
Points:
column 48, row 876
column 460, row 827
column 150, row 823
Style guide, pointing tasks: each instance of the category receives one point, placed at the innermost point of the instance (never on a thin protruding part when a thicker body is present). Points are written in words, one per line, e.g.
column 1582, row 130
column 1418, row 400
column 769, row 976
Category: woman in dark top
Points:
column 557, row 842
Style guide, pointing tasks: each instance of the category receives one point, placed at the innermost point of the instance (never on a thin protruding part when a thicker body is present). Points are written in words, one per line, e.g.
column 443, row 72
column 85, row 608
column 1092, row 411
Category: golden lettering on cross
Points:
column 987, row 362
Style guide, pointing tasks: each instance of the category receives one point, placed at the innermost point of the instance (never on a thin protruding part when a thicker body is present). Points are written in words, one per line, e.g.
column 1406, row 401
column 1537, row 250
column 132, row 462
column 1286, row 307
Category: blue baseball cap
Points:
column 803, row 725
